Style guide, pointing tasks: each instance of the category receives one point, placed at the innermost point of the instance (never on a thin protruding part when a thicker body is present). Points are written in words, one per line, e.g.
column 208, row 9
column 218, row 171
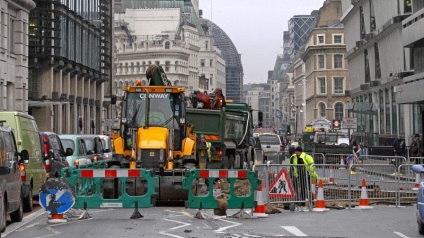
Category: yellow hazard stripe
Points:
column 211, row 137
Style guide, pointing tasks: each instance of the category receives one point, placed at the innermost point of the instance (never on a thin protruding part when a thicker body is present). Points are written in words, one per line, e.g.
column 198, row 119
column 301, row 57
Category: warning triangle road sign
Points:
column 281, row 186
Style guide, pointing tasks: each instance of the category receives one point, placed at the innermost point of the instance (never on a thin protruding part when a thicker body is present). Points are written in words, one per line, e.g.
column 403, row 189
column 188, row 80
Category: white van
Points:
column 331, row 138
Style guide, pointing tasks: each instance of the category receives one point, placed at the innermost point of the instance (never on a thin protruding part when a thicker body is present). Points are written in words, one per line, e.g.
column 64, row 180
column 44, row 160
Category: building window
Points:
column 320, row 39
column 202, row 62
column 167, row 45
column 321, row 107
column 167, row 64
column 338, row 85
column 207, row 45
column 338, row 61
column 211, row 62
column 321, row 62
column 339, row 111
column 337, row 39
column 321, row 85
column 211, row 79
column 11, row 35
column 157, row 63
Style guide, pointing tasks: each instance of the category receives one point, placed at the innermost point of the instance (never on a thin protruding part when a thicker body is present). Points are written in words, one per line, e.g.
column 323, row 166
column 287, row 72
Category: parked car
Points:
column 272, row 149
column 75, row 149
column 53, row 154
column 94, row 145
column 11, row 186
column 33, row 173
column 107, row 146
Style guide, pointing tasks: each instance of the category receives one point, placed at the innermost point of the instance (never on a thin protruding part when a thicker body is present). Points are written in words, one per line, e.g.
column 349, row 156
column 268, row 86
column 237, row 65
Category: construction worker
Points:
column 301, row 174
column 202, row 144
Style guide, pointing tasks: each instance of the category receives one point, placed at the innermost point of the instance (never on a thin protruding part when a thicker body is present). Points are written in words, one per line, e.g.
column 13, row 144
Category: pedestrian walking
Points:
column 416, row 148
column 399, row 146
column 399, row 150
column 302, row 173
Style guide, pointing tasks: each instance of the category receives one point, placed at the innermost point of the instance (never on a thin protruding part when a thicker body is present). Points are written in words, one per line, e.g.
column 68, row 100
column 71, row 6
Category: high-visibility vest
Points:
column 307, row 160
column 208, row 145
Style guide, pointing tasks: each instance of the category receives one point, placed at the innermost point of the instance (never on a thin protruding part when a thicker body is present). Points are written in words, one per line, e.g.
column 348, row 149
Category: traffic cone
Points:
column 320, row 203
column 417, row 181
column 260, row 206
column 313, row 188
column 331, row 180
column 342, row 163
column 56, row 218
column 363, row 202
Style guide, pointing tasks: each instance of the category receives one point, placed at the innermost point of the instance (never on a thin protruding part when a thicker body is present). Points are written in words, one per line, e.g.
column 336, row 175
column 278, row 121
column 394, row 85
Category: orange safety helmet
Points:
column 138, row 82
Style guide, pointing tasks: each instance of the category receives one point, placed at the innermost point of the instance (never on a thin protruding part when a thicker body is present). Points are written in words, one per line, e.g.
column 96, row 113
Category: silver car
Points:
column 272, row 148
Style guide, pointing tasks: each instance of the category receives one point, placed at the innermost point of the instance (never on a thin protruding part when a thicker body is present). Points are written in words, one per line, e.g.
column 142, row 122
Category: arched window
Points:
column 321, row 107
column 339, row 111
column 167, row 45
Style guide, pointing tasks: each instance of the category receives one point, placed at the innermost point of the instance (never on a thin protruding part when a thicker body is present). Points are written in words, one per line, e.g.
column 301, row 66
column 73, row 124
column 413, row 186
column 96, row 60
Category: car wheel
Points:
column 3, row 215
column 18, row 215
column 420, row 228
column 28, row 202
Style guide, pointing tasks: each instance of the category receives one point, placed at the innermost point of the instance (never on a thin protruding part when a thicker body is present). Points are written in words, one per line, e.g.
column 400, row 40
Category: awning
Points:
column 367, row 108
column 44, row 103
column 410, row 93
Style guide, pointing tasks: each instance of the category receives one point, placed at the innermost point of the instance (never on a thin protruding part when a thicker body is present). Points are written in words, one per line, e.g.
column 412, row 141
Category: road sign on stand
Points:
column 57, row 196
column 350, row 123
column 281, row 186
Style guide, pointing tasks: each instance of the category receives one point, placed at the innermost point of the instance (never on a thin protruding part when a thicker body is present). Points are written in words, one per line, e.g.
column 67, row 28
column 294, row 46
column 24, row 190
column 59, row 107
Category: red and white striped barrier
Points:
column 223, row 173
column 110, row 173
column 331, row 179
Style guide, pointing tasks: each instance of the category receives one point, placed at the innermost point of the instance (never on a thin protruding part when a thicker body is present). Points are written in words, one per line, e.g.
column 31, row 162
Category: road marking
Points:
column 400, row 234
column 294, row 230
column 54, row 232
column 27, row 219
column 174, row 228
column 220, row 230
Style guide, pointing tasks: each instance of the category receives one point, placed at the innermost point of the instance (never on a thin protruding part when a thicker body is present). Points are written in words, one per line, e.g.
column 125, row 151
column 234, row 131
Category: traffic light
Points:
column 288, row 131
column 260, row 118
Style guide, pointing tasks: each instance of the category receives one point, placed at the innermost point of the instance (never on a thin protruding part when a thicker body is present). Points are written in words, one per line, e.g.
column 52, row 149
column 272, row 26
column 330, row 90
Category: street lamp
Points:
column 296, row 117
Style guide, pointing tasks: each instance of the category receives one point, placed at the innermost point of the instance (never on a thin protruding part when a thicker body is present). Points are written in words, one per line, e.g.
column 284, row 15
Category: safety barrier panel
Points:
column 389, row 179
column 319, row 158
column 207, row 200
column 107, row 188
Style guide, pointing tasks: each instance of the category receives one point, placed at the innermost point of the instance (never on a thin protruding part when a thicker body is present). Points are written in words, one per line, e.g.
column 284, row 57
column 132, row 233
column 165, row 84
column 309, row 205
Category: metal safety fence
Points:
column 389, row 179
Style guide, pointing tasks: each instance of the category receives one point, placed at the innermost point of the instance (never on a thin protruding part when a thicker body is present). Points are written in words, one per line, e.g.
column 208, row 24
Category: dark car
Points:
column 94, row 146
column 11, row 186
column 53, row 154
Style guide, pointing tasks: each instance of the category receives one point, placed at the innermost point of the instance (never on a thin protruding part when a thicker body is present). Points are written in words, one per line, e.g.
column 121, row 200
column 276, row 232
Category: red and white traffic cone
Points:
column 363, row 202
column 320, row 203
column 417, row 181
column 56, row 218
column 342, row 163
column 260, row 206
column 313, row 189
column 331, row 179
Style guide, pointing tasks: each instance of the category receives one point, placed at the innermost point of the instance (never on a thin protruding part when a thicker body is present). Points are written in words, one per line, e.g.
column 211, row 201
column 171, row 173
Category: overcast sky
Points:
column 256, row 29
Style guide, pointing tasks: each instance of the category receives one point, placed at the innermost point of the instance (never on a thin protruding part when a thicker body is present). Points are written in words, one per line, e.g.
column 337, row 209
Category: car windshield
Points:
column 160, row 109
column 68, row 144
column 269, row 140
column 89, row 144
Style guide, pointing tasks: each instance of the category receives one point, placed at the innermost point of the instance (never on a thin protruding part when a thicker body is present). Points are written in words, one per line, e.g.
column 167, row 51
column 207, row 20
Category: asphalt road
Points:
column 381, row 221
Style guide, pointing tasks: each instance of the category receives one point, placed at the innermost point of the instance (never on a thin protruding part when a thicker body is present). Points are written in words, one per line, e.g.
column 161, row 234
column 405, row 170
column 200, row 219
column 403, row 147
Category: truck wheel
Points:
column 238, row 162
column 225, row 163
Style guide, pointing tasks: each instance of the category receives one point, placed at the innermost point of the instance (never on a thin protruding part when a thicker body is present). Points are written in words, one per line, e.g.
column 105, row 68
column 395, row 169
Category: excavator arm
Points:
column 214, row 100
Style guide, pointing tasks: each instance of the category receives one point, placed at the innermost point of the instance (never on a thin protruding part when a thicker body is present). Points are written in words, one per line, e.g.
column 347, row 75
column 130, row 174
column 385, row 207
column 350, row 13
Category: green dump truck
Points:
column 230, row 130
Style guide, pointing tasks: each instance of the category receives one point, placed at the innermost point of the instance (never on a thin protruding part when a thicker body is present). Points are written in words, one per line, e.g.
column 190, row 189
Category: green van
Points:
column 33, row 172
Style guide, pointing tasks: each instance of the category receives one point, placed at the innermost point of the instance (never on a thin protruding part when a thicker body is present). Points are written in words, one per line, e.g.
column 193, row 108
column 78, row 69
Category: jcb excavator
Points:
column 153, row 133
